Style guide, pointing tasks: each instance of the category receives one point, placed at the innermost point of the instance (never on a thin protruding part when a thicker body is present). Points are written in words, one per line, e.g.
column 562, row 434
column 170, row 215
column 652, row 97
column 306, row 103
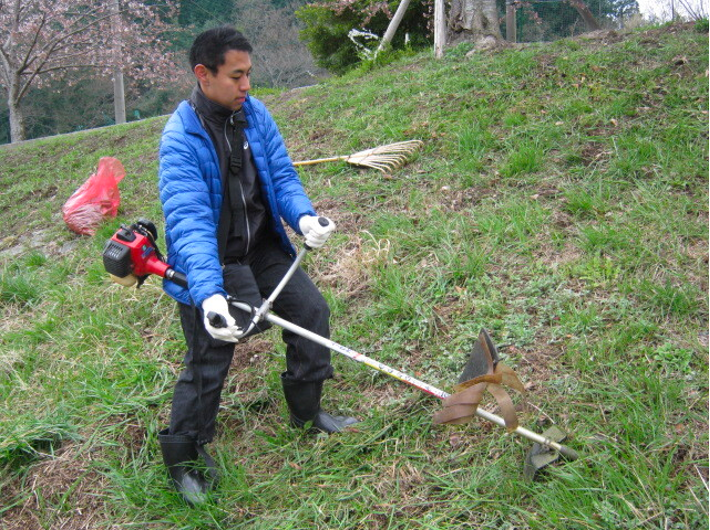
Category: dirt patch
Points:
column 41, row 240
column 593, row 153
column 604, row 37
column 249, row 352
column 39, row 195
column 464, row 199
column 553, row 257
column 33, row 197
column 63, row 490
column 698, row 250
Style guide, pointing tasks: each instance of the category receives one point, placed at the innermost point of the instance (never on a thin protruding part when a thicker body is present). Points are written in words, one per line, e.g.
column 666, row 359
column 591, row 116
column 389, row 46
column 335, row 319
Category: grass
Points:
column 561, row 202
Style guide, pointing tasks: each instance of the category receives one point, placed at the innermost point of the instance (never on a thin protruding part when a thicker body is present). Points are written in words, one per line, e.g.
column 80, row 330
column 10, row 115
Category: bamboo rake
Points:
column 383, row 158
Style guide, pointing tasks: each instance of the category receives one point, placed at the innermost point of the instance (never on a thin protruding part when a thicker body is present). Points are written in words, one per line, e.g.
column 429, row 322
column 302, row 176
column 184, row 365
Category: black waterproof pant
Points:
column 197, row 392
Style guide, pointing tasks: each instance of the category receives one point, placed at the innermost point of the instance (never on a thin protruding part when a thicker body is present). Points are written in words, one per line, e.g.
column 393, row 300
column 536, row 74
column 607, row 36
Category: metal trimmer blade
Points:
column 540, row 456
column 483, row 359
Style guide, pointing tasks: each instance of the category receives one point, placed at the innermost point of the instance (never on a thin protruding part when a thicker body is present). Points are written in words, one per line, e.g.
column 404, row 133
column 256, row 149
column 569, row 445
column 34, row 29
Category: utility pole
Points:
column 439, row 28
column 510, row 27
column 119, row 97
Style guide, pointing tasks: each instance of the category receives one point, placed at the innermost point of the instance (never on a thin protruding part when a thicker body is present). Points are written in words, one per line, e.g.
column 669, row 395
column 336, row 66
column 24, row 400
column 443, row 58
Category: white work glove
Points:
column 216, row 309
column 316, row 229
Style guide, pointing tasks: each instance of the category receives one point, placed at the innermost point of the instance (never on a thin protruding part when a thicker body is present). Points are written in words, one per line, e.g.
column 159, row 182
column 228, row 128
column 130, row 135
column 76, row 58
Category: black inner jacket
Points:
column 244, row 216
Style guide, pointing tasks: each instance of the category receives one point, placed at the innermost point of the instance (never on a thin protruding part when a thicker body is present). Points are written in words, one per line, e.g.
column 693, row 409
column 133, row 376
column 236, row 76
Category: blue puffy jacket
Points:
column 191, row 194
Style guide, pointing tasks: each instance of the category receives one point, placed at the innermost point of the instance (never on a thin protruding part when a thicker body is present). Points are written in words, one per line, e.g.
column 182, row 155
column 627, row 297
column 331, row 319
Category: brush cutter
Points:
column 131, row 255
column 384, row 158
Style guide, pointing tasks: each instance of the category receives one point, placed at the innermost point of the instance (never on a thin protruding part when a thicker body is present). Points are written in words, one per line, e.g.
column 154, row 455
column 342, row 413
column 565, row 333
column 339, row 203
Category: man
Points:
column 226, row 183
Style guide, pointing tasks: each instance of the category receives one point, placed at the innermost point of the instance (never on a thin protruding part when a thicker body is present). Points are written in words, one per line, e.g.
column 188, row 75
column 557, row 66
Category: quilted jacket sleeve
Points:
column 188, row 206
column 291, row 198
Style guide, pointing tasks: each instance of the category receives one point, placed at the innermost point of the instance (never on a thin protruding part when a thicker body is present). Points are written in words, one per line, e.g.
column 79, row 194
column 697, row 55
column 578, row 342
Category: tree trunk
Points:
column 586, row 14
column 394, row 24
column 474, row 20
column 17, row 117
column 119, row 98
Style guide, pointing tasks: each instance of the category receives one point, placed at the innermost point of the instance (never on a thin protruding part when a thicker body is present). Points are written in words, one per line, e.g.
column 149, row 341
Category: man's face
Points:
column 229, row 86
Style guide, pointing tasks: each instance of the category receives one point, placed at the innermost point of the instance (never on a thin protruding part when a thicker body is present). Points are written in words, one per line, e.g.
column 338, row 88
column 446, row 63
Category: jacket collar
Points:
column 192, row 122
column 208, row 109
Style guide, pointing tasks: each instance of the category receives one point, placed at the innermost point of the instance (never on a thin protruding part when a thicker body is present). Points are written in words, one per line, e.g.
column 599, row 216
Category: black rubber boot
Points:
column 180, row 454
column 303, row 400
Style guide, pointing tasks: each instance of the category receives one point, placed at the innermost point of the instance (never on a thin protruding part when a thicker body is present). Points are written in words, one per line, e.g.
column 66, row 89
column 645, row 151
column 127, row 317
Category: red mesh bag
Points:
column 97, row 198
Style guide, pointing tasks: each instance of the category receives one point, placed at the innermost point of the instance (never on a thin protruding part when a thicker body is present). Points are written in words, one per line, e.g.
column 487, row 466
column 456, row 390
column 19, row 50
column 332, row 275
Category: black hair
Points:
column 211, row 45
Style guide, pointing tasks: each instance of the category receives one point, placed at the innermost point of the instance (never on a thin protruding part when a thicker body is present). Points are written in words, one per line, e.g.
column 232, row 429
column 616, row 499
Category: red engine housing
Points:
column 131, row 251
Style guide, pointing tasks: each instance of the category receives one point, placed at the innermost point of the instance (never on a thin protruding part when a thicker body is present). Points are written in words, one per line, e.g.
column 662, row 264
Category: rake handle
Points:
column 320, row 160
column 421, row 385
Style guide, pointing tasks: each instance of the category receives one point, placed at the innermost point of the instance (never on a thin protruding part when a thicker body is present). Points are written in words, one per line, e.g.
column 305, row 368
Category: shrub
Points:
column 328, row 24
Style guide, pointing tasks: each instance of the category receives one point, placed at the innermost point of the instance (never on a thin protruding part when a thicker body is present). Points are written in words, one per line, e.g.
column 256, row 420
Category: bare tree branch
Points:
column 697, row 12
column 41, row 38
column 35, row 38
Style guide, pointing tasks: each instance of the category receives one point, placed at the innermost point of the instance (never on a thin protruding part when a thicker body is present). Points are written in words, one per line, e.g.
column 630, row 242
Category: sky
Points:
column 662, row 8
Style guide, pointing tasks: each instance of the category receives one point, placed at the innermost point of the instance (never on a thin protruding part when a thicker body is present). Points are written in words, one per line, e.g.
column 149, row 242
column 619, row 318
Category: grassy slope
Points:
column 561, row 202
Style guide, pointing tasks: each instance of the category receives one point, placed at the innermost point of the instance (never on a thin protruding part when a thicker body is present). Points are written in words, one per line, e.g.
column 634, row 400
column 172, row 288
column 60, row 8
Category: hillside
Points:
column 560, row 201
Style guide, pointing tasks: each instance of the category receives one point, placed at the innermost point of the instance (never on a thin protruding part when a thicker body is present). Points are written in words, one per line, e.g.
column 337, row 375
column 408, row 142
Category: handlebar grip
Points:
column 216, row 320
column 323, row 221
